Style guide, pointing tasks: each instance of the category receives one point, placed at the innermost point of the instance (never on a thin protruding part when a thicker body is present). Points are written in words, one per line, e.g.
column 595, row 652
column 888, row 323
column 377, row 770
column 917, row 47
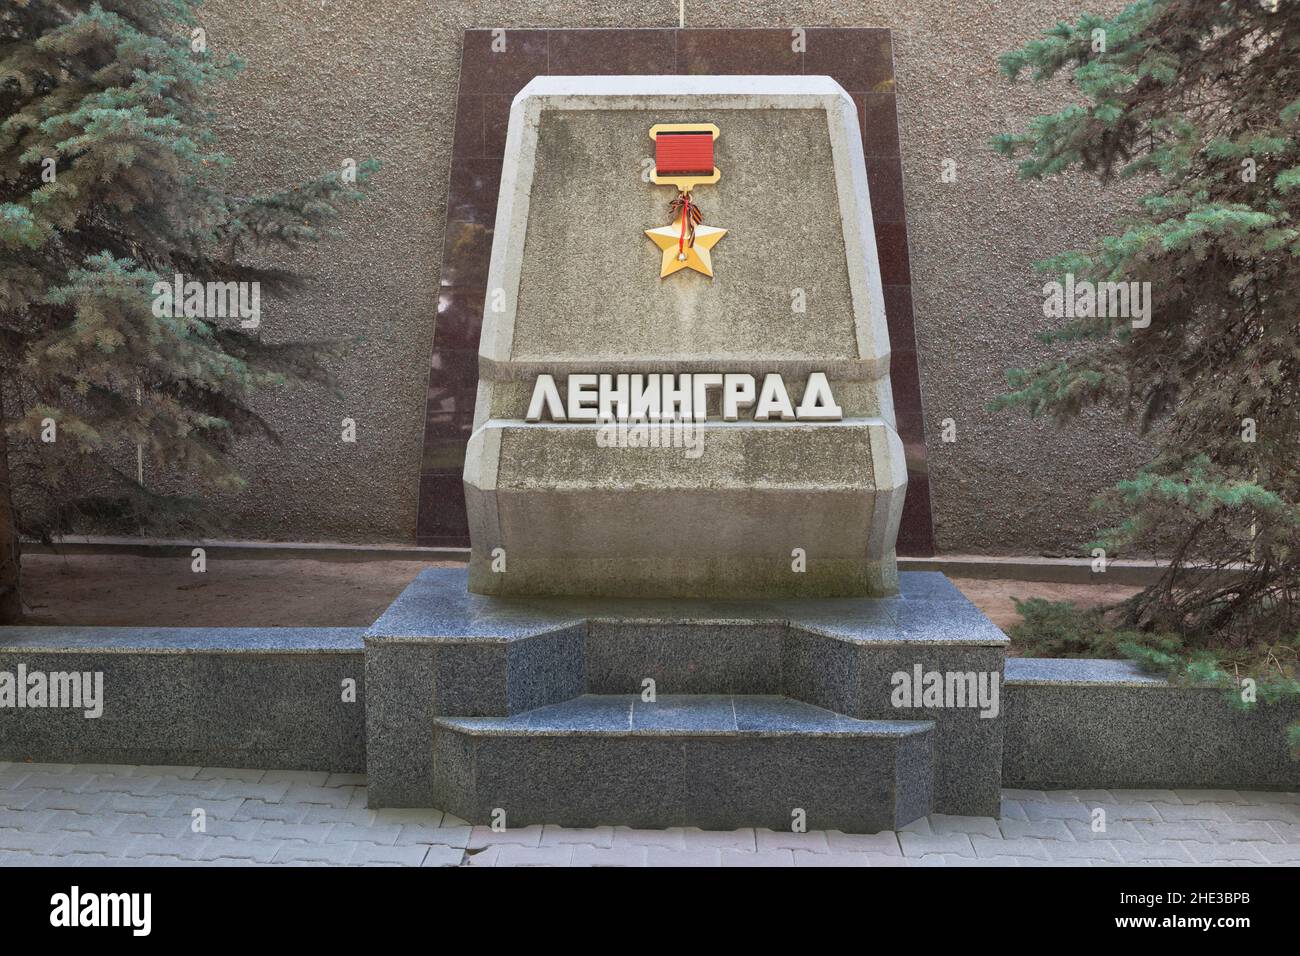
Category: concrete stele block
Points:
column 574, row 287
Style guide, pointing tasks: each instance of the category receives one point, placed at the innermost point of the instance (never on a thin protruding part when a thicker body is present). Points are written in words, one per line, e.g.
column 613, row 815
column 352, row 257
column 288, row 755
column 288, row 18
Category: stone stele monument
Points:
column 575, row 290
column 684, row 487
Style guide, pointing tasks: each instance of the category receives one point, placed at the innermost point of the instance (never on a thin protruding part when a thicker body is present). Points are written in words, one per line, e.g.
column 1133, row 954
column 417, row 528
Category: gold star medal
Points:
column 684, row 158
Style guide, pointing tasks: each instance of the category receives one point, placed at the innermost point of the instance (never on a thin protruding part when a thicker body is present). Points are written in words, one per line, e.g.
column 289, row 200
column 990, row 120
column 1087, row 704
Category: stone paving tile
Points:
column 244, row 830
column 69, row 822
column 115, row 783
column 1152, row 796
column 18, row 799
column 188, row 809
column 814, row 841
column 355, row 833
column 1063, row 796
column 310, row 852
column 1199, row 812
column 230, row 773
column 204, row 789
column 113, row 845
column 1038, row 829
column 1032, row 796
column 1281, row 852
column 1159, row 832
column 413, row 834
column 1255, row 830
column 443, row 856
column 20, row 858
column 31, row 842
column 919, row 845
column 266, row 792
column 1094, row 797
column 345, row 780
column 293, row 832
column 806, row 858
column 322, row 814
column 180, row 773
column 1116, row 830
column 562, row 836
column 280, row 812
column 622, row 856
column 97, row 859
column 1057, row 811
column 260, row 851
column 515, row 836
column 1020, row 847
column 985, row 861
column 847, row 858
column 24, row 819
column 885, row 842
column 65, row 782
column 1130, row 812
column 695, row 838
column 400, row 816
column 12, row 779
column 227, row 862
column 1289, row 832
column 1208, row 796
column 313, row 778
column 774, row 857
column 372, row 854
column 486, row 856
column 1173, row 851
column 72, row 815
column 1269, row 796
column 338, row 797
column 512, row 854
column 665, row 856
column 83, row 802
column 1012, row 810
column 1282, row 813
column 1098, row 850
column 139, row 824
column 1219, row 852
column 672, row 839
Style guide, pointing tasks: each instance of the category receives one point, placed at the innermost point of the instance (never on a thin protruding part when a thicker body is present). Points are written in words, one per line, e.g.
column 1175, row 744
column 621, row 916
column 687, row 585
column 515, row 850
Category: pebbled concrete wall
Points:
column 327, row 81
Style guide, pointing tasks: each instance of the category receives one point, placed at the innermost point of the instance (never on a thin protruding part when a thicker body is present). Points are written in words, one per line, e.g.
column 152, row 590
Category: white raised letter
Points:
column 737, row 392
column 817, row 404
column 545, row 393
column 582, row 397
column 773, row 400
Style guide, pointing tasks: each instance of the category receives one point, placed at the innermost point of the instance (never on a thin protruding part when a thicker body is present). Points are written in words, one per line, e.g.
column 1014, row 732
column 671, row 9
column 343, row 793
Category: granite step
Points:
column 442, row 651
column 711, row 761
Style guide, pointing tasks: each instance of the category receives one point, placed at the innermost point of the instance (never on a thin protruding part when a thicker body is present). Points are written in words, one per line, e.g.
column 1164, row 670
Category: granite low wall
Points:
column 263, row 698
column 274, row 698
column 1098, row 724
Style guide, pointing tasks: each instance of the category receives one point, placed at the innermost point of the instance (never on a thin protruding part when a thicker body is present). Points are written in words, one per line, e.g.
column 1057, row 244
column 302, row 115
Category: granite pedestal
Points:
column 540, row 708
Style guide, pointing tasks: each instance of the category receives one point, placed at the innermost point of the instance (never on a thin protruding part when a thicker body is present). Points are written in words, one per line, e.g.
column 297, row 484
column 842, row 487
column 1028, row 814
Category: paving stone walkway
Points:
column 82, row 815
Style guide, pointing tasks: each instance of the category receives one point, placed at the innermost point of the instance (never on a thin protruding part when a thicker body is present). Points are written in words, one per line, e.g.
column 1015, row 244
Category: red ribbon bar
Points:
column 688, row 154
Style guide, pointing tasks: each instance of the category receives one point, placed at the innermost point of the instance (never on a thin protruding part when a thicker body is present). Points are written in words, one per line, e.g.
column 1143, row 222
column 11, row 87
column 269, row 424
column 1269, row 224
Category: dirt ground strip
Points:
column 161, row 592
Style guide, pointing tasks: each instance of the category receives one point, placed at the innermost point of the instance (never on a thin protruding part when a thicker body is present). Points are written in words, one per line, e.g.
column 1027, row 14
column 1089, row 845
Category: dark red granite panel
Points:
column 495, row 65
